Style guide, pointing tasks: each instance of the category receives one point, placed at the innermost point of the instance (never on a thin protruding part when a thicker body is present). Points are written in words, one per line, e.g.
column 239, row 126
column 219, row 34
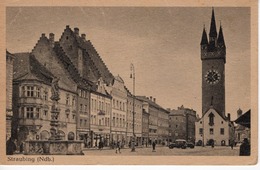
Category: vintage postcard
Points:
column 129, row 83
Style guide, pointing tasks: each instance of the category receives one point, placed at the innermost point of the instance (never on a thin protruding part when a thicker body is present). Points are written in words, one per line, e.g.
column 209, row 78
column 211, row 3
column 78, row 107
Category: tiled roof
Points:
column 26, row 66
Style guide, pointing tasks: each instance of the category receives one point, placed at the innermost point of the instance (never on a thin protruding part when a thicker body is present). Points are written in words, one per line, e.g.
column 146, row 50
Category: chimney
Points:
column 154, row 100
column 151, row 98
column 76, row 31
column 83, row 36
column 228, row 115
column 51, row 39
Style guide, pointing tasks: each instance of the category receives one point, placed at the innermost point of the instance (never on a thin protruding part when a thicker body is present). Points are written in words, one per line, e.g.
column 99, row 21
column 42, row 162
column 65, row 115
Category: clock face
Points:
column 212, row 77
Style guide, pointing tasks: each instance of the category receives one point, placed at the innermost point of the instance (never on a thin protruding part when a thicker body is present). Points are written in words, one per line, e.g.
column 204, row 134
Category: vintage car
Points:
column 179, row 143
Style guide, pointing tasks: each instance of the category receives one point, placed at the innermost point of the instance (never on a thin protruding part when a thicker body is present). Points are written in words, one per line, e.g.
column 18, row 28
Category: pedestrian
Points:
column 21, row 147
column 118, row 146
column 212, row 144
column 10, row 146
column 231, row 144
column 245, row 148
column 154, row 144
column 100, row 145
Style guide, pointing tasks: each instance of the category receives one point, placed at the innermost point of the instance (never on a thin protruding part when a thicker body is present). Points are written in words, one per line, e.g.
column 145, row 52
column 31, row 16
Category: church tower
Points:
column 213, row 57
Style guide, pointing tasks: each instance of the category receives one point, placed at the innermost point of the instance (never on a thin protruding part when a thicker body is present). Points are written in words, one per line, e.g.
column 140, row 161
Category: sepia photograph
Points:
column 117, row 81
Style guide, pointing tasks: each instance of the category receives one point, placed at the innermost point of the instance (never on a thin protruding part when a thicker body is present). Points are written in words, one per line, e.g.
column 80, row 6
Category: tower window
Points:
column 211, row 119
column 201, row 131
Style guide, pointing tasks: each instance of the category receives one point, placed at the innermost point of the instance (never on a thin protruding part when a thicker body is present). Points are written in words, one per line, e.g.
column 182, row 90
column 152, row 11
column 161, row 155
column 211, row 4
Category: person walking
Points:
column 232, row 145
column 118, row 147
column 10, row 146
column 154, row 144
column 245, row 148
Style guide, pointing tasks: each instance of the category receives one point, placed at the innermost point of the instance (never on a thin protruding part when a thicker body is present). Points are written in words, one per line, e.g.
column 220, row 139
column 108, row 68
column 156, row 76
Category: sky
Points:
column 163, row 43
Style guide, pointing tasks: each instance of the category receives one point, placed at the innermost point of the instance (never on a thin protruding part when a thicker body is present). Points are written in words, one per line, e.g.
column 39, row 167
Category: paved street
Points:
column 197, row 151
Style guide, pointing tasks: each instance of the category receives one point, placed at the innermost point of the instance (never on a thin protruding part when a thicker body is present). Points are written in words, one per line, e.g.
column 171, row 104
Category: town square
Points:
column 128, row 81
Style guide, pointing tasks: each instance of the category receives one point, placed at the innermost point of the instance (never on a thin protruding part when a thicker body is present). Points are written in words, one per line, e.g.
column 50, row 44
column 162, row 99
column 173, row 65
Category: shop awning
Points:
column 244, row 119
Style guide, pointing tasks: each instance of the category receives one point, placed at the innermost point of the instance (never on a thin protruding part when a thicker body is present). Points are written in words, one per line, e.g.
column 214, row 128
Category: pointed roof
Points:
column 221, row 37
column 204, row 39
column 213, row 29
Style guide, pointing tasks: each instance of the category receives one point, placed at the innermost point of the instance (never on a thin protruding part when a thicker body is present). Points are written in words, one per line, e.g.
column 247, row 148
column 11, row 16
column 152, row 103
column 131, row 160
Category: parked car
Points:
column 190, row 145
column 179, row 143
column 172, row 145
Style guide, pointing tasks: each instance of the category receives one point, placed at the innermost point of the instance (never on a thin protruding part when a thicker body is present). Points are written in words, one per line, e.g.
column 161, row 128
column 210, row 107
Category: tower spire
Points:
column 213, row 30
column 221, row 41
column 204, row 38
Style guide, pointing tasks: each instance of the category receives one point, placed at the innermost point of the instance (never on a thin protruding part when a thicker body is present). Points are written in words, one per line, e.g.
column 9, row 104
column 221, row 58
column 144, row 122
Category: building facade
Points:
column 100, row 116
column 214, row 127
column 241, row 132
column 137, row 106
column 9, row 93
column 182, row 124
column 119, row 110
column 158, row 120
column 32, row 103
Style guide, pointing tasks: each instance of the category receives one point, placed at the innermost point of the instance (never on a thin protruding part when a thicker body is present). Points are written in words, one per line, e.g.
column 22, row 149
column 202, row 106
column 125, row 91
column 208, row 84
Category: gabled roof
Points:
column 144, row 98
column 224, row 118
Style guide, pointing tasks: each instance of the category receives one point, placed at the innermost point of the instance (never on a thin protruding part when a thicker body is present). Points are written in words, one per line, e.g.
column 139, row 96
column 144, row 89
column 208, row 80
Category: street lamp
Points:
column 132, row 75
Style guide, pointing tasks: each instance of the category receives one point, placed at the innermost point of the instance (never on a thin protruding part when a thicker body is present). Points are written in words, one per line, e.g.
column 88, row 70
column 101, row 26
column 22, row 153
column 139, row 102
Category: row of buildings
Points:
column 94, row 104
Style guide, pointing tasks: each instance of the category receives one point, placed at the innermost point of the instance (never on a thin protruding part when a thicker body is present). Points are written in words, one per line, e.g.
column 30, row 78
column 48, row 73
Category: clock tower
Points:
column 213, row 57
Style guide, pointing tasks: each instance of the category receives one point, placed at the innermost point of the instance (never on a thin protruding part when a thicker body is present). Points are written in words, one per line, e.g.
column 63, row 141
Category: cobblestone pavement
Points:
column 197, row 151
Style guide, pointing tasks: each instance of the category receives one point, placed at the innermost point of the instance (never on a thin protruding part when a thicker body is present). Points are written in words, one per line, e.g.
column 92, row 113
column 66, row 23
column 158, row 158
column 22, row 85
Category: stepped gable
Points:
column 99, row 63
column 70, row 67
column 26, row 66
column 100, row 67
column 145, row 99
column 92, row 73
column 43, row 38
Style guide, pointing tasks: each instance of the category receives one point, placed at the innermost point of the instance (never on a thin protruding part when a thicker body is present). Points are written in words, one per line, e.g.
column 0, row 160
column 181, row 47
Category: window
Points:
column 211, row 131
column 85, row 122
column 201, row 131
column 80, row 122
column 211, row 119
column 38, row 91
column 29, row 112
column 81, row 107
column 73, row 101
column 222, row 131
column 37, row 114
column 200, row 122
column 86, row 108
column 73, row 117
column 45, row 95
column 29, row 91
column 92, row 104
column 67, row 99
column 176, row 126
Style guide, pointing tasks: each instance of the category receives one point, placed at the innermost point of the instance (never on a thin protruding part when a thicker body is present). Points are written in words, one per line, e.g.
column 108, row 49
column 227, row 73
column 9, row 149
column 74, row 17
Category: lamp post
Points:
column 132, row 75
